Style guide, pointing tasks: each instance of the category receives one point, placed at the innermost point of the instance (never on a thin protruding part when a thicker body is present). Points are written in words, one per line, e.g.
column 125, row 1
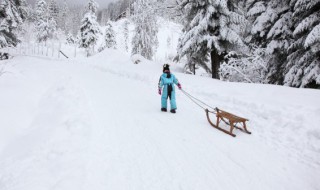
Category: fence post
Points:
column 75, row 50
column 47, row 51
column 52, row 48
column 41, row 48
column 59, row 49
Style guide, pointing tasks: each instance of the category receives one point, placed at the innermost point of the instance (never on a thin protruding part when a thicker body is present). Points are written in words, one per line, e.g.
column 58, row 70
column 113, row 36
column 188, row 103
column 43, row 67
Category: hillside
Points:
column 95, row 123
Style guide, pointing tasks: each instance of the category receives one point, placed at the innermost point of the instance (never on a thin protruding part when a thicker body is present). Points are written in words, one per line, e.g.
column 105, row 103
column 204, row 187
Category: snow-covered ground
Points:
column 95, row 123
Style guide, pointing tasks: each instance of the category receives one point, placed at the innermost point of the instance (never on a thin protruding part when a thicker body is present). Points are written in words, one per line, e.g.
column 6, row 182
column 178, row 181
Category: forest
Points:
column 253, row 41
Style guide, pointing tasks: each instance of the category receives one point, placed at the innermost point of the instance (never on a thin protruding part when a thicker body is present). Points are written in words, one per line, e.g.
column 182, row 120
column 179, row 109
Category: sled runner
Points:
column 232, row 121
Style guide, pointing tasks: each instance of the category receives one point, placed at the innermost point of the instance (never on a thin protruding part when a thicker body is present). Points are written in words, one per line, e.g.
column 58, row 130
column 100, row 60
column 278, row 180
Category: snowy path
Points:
column 88, row 126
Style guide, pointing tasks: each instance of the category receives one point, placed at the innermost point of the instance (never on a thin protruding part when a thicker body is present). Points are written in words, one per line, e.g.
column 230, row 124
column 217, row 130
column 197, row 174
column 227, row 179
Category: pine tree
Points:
column 145, row 40
column 12, row 14
column 260, row 21
column 53, row 10
column 110, row 37
column 92, row 7
column 209, row 32
column 89, row 29
column 70, row 39
column 43, row 21
column 303, row 66
column 271, row 28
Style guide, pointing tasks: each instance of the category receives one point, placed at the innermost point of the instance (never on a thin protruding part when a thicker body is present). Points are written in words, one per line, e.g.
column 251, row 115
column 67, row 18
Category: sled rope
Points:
column 197, row 101
column 194, row 99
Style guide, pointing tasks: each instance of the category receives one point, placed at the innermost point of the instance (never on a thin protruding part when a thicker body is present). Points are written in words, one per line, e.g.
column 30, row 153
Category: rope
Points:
column 198, row 102
column 192, row 99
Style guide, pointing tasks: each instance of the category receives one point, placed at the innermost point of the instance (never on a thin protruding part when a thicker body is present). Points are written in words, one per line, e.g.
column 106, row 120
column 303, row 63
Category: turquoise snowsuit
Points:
column 168, row 90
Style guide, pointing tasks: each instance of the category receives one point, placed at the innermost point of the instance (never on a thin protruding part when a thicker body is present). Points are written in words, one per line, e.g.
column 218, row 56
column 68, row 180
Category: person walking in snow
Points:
column 166, row 83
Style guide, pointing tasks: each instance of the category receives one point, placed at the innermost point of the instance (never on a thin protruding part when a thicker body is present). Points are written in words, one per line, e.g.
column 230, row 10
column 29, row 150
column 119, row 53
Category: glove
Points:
column 179, row 86
column 159, row 91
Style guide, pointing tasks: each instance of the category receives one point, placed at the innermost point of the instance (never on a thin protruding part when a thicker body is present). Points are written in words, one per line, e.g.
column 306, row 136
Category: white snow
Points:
column 95, row 123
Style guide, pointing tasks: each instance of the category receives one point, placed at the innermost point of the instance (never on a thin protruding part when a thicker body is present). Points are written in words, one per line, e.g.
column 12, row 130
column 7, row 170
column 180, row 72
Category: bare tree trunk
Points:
column 215, row 64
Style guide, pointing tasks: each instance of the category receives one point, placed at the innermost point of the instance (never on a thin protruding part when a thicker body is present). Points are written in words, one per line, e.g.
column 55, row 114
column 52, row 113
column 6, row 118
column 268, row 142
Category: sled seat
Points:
column 233, row 120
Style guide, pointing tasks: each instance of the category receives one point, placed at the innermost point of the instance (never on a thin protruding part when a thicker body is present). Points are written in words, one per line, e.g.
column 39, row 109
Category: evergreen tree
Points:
column 260, row 21
column 110, row 37
column 271, row 28
column 303, row 66
column 145, row 40
column 70, row 39
column 53, row 10
column 89, row 29
column 209, row 32
column 12, row 14
column 92, row 7
column 43, row 21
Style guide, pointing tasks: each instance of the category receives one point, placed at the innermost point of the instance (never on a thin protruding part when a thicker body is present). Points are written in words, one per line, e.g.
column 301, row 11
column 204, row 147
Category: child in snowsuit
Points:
column 166, row 83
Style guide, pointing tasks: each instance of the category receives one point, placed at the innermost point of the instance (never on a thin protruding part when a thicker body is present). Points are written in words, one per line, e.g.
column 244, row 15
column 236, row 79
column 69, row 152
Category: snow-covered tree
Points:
column 126, row 34
column 303, row 66
column 250, row 69
column 271, row 28
column 12, row 14
column 41, row 10
column 117, row 8
column 260, row 20
column 45, row 24
column 209, row 32
column 89, row 29
column 53, row 10
column 70, row 39
column 110, row 37
column 92, row 7
column 145, row 40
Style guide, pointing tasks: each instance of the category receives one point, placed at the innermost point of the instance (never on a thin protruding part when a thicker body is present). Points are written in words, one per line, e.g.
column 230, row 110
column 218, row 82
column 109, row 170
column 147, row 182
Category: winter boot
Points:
column 164, row 109
column 173, row 111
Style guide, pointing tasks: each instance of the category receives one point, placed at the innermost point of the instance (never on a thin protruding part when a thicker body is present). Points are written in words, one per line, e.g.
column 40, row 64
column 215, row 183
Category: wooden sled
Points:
column 232, row 120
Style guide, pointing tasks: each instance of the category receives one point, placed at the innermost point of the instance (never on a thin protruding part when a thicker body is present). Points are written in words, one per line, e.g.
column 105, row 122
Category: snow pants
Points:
column 169, row 92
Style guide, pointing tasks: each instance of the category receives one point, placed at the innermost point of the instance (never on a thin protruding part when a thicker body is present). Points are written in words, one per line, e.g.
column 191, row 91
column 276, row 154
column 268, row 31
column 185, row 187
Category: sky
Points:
column 102, row 3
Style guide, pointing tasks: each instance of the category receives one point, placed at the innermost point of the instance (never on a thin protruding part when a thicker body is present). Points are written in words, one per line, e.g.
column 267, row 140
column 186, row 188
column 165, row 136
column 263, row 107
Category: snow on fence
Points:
column 49, row 49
